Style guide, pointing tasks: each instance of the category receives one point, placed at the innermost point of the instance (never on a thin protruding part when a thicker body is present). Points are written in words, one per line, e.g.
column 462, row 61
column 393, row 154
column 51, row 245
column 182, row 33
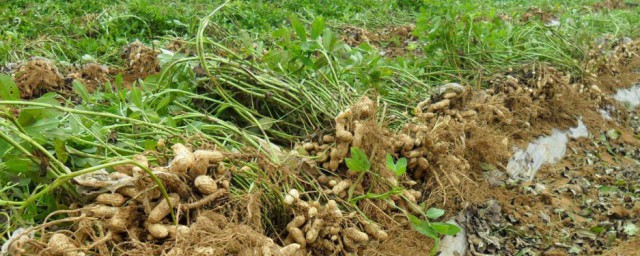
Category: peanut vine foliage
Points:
column 358, row 162
column 46, row 141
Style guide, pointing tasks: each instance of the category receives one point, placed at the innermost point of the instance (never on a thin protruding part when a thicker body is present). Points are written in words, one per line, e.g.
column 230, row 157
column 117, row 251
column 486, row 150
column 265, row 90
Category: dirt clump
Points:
column 141, row 60
column 392, row 41
column 354, row 36
column 92, row 75
column 612, row 4
column 36, row 77
column 179, row 46
column 402, row 241
column 536, row 13
column 460, row 136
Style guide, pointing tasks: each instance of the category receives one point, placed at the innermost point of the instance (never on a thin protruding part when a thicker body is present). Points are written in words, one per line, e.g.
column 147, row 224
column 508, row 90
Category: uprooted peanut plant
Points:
column 301, row 136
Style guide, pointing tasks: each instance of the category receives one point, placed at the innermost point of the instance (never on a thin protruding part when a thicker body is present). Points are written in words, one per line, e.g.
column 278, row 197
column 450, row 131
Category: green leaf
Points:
column 358, row 161
column 390, row 164
column 423, row 227
column 487, row 167
column 19, row 165
column 328, row 40
column 164, row 102
column 108, row 88
column 434, row 213
column 602, row 137
column 150, row 144
column 4, row 147
column 317, row 27
column 119, row 81
column 401, row 166
column 306, row 61
column 136, row 97
column 30, row 115
column 169, row 121
column 445, row 228
column 613, row 134
column 60, row 149
column 82, row 91
column 266, row 122
column 398, row 168
column 298, row 27
column 597, row 229
column 8, row 88
column 150, row 82
column 608, row 189
column 320, row 63
column 575, row 250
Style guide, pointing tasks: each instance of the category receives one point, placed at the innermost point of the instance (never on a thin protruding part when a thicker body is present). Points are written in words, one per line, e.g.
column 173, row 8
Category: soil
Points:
column 392, row 41
column 613, row 4
column 141, row 59
column 178, row 46
column 626, row 248
column 92, row 75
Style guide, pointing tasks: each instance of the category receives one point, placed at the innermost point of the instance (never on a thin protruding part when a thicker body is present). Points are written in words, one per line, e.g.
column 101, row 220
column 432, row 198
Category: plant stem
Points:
column 85, row 112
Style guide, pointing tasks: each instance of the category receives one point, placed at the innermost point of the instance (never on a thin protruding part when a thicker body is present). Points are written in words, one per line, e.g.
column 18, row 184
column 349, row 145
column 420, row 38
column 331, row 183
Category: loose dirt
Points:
column 92, row 75
column 392, row 41
column 141, row 59
column 613, row 4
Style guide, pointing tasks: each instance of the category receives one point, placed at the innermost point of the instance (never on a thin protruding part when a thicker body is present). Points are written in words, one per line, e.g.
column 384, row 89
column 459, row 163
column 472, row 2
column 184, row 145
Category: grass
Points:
column 276, row 71
column 79, row 31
